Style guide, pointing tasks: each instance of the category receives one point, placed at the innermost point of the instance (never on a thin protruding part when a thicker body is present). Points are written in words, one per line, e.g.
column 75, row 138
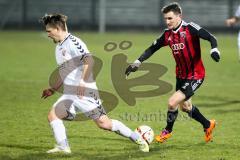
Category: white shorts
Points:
column 90, row 105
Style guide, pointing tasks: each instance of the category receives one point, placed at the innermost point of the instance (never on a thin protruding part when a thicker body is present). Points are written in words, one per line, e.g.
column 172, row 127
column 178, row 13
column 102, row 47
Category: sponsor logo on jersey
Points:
column 177, row 47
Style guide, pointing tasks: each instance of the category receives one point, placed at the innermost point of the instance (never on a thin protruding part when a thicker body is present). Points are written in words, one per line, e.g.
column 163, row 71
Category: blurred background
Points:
column 105, row 15
column 27, row 60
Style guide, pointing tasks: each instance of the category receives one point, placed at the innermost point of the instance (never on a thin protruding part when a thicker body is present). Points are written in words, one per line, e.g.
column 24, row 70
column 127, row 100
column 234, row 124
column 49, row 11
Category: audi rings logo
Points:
column 177, row 46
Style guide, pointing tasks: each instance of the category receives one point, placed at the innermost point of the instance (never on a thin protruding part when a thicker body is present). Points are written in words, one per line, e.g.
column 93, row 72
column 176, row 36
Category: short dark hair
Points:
column 55, row 20
column 174, row 7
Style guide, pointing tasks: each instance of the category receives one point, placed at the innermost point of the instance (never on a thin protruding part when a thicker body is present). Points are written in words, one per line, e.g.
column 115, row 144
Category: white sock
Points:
column 134, row 136
column 59, row 132
column 121, row 129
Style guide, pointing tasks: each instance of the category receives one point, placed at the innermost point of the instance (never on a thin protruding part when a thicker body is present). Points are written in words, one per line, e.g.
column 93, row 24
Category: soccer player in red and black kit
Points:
column 184, row 40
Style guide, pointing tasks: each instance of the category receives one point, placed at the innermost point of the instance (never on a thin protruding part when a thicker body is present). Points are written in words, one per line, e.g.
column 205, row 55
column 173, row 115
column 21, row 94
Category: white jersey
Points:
column 71, row 47
column 237, row 13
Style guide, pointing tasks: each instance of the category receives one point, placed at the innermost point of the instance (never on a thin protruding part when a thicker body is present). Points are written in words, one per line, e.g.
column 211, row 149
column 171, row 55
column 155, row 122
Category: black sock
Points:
column 196, row 114
column 171, row 117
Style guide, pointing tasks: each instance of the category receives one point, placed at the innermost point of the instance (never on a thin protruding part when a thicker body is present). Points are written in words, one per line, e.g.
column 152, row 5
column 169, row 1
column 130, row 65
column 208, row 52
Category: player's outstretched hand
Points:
column 215, row 54
column 133, row 67
column 47, row 92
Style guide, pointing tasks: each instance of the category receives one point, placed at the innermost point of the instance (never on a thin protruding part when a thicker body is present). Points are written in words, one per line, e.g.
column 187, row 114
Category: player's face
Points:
column 172, row 20
column 53, row 33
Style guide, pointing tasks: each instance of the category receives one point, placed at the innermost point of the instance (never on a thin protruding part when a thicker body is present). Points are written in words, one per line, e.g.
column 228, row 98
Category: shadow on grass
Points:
column 17, row 146
column 215, row 101
column 37, row 156
column 222, row 111
column 102, row 152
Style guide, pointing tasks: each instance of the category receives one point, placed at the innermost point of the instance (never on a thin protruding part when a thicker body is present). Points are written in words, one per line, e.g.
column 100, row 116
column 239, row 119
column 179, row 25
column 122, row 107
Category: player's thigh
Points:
column 104, row 122
column 61, row 106
column 90, row 107
column 93, row 109
column 176, row 99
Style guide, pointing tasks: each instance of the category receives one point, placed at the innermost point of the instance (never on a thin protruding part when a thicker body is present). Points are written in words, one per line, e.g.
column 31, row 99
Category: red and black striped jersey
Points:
column 184, row 42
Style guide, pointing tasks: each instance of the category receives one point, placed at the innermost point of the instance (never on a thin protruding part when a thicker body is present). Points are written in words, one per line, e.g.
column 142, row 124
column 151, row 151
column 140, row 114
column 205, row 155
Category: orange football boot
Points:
column 208, row 131
column 165, row 134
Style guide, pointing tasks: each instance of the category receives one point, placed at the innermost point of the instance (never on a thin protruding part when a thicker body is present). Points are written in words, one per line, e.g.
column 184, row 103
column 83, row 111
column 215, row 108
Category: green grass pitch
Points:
column 27, row 59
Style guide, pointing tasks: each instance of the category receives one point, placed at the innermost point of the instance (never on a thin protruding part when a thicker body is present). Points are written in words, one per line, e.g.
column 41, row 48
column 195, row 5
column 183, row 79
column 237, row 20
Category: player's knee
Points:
column 172, row 104
column 51, row 116
column 105, row 126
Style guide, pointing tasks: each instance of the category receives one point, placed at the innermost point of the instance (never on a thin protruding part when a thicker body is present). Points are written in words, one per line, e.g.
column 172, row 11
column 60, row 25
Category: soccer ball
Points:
column 146, row 133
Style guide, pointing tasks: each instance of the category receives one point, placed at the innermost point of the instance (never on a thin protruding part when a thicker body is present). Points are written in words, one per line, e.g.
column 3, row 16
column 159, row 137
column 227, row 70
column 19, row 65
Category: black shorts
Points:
column 188, row 86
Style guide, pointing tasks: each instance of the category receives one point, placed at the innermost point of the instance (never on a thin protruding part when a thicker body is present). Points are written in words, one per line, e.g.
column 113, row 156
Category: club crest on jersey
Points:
column 183, row 34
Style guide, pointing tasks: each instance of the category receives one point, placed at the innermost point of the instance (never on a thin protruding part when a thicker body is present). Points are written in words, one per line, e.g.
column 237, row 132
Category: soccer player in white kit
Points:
column 232, row 21
column 71, row 51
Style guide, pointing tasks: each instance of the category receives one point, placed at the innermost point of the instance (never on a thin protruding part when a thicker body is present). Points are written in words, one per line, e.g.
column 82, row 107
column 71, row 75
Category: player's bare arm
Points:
column 51, row 90
column 88, row 63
